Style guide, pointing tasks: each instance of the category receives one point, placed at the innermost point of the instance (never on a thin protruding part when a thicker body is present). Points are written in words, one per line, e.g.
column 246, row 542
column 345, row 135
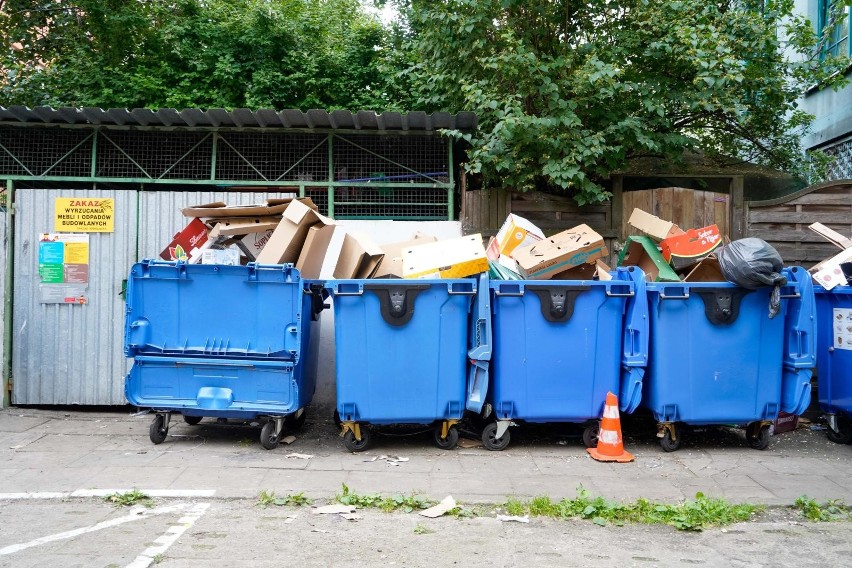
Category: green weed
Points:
column 266, row 498
column 422, row 529
column 404, row 503
column 694, row 515
column 128, row 498
column 834, row 510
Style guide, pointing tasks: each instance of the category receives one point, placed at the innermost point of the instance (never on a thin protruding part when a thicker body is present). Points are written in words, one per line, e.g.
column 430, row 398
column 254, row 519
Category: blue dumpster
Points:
column 716, row 358
column 561, row 345
column 402, row 354
column 221, row 341
column 834, row 360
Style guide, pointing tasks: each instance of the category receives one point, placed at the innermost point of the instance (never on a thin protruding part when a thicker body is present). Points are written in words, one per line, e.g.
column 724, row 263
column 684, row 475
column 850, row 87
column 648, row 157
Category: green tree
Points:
column 196, row 53
column 568, row 91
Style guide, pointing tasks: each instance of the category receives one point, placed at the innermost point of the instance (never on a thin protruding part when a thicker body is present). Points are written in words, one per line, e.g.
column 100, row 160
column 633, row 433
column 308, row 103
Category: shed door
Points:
column 66, row 353
column 688, row 208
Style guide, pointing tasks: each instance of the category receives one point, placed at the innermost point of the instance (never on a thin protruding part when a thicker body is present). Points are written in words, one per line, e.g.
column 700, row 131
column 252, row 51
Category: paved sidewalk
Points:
column 66, row 451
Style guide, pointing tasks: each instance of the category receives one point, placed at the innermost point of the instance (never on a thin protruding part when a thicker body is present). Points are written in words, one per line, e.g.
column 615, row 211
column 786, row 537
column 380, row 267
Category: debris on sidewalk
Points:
column 442, row 508
column 299, row 456
column 288, row 440
column 336, row 509
column 351, row 516
column 290, row 519
column 511, row 519
column 393, row 460
column 467, row 444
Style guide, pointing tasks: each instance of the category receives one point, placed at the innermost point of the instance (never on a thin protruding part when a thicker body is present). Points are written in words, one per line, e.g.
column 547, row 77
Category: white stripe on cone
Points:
column 610, row 412
column 609, row 437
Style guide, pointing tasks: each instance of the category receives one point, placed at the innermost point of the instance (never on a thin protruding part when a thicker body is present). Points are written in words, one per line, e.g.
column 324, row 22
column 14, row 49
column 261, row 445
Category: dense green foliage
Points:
column 196, row 53
column 568, row 91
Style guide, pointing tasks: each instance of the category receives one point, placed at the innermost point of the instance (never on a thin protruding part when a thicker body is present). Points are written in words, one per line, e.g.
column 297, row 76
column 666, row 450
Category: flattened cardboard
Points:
column 313, row 252
column 829, row 273
column 707, row 270
column 642, row 252
column 831, row 235
column 564, row 250
column 516, row 232
column 244, row 225
column 450, row 258
column 286, row 242
column 682, row 250
column 653, row 225
column 189, row 243
column 219, row 209
column 359, row 257
column 391, row 264
column 227, row 256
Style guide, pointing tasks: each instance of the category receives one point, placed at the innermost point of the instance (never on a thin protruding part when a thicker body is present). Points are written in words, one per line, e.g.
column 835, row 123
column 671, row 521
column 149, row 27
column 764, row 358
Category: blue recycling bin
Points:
column 716, row 358
column 834, row 360
column 561, row 345
column 409, row 352
column 221, row 341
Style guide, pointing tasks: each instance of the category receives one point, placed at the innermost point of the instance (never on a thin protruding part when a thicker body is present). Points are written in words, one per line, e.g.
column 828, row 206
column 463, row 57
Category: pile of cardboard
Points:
column 837, row 270
column 521, row 251
column 293, row 231
column 670, row 254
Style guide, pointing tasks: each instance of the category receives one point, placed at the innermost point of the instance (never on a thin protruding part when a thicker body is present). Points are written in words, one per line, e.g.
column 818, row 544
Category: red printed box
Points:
column 188, row 244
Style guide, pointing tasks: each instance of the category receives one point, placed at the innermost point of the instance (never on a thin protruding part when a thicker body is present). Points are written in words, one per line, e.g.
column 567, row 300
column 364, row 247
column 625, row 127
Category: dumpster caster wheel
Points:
column 354, row 445
column 757, row 439
column 268, row 438
column 590, row 436
column 158, row 431
column 844, row 431
column 448, row 443
column 296, row 420
column 667, row 443
column 490, row 440
column 192, row 420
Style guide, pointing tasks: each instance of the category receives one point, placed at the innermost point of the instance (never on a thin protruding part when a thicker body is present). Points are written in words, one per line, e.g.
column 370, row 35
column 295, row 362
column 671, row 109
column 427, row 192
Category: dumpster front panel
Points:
column 401, row 349
column 834, row 349
column 557, row 347
column 715, row 356
column 227, row 388
column 182, row 310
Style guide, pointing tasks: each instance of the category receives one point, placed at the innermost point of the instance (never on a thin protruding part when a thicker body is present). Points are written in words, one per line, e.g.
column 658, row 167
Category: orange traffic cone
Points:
column 610, row 447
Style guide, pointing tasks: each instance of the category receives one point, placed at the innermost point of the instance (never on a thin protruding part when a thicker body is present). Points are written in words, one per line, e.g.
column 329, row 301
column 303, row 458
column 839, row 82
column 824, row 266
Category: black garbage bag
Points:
column 753, row 263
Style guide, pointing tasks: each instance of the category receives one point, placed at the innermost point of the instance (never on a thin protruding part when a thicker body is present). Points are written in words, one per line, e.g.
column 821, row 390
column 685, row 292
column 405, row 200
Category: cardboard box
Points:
column 785, row 422
column 829, row 273
column 313, row 251
column 707, row 270
column 653, row 225
column 391, row 264
column 359, row 257
column 564, row 250
column 642, row 252
column 516, row 232
column 228, row 257
column 589, row 271
column 286, row 242
column 451, row 258
column 683, row 250
column 219, row 209
column 253, row 243
column 189, row 243
column 230, row 226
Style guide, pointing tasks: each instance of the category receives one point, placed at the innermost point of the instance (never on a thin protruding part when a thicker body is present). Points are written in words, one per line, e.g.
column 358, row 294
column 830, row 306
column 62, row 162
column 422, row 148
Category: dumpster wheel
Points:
column 757, row 434
column 590, row 435
column 446, row 435
column 843, row 435
column 192, row 420
column 491, row 441
column 159, row 428
column 270, row 434
column 669, row 435
column 354, row 445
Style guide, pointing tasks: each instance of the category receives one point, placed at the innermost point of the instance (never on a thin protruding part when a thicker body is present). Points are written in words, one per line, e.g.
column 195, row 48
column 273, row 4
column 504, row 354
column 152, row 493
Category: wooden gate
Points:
column 687, row 208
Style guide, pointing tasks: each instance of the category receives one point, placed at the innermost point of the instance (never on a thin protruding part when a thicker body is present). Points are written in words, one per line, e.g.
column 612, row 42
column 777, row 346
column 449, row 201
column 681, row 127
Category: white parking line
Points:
column 170, row 536
column 134, row 515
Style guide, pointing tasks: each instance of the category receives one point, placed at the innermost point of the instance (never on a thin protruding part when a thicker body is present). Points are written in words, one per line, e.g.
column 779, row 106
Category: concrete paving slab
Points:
column 64, row 443
column 59, row 478
column 12, row 422
column 228, row 482
column 791, row 487
column 107, row 458
column 315, row 484
column 148, row 477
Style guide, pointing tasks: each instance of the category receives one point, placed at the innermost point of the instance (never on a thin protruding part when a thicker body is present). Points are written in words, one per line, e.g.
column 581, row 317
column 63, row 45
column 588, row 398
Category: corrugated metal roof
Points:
column 241, row 117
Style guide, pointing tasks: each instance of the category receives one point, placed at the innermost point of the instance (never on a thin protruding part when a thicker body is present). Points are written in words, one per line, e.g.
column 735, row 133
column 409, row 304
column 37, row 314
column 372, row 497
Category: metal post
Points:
column 451, row 191
column 213, row 156
column 330, row 191
column 9, row 283
column 93, row 170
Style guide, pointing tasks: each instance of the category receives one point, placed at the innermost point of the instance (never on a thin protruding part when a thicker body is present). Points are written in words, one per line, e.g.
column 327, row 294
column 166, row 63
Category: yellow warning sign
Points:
column 84, row 215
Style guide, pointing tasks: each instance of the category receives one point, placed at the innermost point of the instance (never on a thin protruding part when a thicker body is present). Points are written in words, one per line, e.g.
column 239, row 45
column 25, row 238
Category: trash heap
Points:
column 837, row 270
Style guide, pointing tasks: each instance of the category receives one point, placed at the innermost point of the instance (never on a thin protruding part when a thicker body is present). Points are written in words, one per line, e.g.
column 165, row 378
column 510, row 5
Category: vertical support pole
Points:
column 93, row 169
column 451, row 191
column 213, row 156
column 331, row 176
column 9, row 284
column 301, row 190
column 737, row 211
column 617, row 207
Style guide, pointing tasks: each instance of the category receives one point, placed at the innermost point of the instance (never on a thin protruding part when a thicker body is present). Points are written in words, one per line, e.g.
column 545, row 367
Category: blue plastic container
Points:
column 561, row 345
column 717, row 358
column 402, row 353
column 220, row 341
column 834, row 359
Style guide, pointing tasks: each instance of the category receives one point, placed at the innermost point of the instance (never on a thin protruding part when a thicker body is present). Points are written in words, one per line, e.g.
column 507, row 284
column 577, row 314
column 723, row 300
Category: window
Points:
column 834, row 16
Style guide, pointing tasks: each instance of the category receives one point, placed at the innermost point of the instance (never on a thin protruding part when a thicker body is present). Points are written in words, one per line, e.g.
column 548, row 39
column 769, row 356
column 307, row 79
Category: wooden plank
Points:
column 772, row 235
column 721, row 213
column 842, row 199
column 737, row 222
column 806, row 217
column 663, row 203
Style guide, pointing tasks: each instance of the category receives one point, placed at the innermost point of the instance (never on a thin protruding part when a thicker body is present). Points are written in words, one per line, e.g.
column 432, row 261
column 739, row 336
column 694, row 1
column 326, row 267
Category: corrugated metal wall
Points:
column 3, row 245
column 160, row 216
column 71, row 354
